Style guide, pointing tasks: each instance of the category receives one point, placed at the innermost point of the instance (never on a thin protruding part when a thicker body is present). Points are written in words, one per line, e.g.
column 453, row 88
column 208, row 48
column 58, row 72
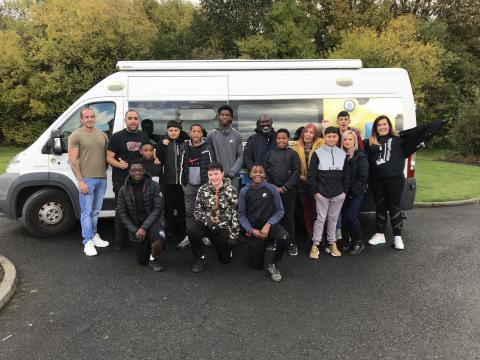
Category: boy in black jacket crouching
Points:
column 260, row 210
column 140, row 208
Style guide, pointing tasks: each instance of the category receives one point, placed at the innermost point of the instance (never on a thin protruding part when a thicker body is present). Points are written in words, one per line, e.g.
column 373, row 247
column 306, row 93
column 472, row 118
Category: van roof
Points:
column 239, row 64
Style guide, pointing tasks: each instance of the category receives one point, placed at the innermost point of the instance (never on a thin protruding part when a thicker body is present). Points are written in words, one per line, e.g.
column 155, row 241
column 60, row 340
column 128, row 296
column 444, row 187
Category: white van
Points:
column 40, row 189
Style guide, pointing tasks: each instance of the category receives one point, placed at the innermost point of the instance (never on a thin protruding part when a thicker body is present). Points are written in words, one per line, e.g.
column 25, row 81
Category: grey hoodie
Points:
column 228, row 147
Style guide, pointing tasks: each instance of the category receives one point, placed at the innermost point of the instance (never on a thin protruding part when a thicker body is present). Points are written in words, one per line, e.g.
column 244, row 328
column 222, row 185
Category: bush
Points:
column 465, row 131
column 21, row 133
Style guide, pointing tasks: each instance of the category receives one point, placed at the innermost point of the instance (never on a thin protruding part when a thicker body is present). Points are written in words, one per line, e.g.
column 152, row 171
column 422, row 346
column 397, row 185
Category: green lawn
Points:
column 445, row 181
column 6, row 154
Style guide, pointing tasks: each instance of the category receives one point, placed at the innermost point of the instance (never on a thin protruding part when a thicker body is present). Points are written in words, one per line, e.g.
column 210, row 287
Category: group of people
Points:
column 189, row 184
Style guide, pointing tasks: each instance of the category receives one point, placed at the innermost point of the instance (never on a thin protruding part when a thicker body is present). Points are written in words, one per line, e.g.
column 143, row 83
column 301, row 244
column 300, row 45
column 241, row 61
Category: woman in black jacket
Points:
column 387, row 150
column 358, row 170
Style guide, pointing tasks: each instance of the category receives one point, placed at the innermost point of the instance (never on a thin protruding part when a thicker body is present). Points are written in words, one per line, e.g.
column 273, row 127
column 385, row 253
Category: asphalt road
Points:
column 420, row 303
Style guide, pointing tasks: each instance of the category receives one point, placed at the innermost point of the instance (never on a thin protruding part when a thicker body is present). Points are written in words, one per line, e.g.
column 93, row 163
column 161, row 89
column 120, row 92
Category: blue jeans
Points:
column 90, row 206
column 353, row 204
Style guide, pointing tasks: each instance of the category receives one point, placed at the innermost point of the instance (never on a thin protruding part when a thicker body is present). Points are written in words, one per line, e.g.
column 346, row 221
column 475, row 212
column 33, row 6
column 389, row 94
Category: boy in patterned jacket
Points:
column 215, row 217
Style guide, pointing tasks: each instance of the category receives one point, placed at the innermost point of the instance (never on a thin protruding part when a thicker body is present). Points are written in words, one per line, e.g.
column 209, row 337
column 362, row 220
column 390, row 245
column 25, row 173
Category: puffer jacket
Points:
column 218, row 207
column 153, row 200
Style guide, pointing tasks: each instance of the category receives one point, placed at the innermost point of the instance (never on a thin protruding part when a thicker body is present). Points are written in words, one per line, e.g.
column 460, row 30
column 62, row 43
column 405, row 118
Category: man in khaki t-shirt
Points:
column 86, row 152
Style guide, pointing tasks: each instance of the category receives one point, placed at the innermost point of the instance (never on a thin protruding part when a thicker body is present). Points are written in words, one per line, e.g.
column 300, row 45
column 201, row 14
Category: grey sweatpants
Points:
column 190, row 195
column 327, row 210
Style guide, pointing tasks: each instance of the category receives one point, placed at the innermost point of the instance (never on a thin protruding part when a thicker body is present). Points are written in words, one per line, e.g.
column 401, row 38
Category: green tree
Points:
column 67, row 46
column 220, row 23
column 397, row 46
column 173, row 19
column 289, row 33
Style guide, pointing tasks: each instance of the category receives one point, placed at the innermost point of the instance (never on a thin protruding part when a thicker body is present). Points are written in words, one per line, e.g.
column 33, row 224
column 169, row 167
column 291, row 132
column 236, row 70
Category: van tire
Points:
column 47, row 213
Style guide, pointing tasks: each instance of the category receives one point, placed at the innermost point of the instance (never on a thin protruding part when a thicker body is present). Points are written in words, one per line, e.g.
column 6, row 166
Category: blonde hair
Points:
column 372, row 140
column 355, row 140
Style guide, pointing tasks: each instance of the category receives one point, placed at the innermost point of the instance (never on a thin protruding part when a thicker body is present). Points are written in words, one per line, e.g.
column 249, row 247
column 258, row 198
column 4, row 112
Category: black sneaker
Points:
column 155, row 265
column 292, row 250
column 198, row 265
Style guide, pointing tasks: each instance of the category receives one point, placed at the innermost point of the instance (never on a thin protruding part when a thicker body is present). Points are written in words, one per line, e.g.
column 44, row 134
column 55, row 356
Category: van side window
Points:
column 288, row 114
column 186, row 112
column 104, row 120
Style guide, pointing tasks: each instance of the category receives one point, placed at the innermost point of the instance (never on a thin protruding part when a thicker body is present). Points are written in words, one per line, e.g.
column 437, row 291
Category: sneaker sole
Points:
column 101, row 246
column 376, row 242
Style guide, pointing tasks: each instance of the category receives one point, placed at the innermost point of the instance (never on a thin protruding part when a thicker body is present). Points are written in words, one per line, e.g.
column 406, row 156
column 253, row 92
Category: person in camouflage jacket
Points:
column 215, row 217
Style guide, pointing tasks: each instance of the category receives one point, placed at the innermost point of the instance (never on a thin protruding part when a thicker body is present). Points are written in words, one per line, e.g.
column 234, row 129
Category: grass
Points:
column 445, row 181
column 436, row 180
column 6, row 154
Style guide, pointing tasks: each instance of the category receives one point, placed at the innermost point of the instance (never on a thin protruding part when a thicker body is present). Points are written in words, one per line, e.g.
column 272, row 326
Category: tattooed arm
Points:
column 75, row 166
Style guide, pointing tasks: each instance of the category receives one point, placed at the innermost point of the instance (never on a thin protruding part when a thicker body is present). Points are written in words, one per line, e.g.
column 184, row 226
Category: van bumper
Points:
column 7, row 208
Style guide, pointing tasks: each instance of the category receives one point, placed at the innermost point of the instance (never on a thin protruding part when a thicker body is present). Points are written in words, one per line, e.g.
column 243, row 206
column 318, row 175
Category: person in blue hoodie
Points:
column 259, row 144
column 260, row 210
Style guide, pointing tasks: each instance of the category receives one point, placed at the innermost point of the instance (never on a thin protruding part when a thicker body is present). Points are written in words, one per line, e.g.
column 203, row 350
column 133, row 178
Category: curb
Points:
column 9, row 282
column 447, row 203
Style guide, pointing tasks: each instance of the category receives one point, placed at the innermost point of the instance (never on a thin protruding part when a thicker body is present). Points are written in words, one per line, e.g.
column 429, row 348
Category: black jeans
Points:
column 174, row 200
column 387, row 193
column 199, row 230
column 121, row 233
column 152, row 244
column 256, row 247
column 288, row 220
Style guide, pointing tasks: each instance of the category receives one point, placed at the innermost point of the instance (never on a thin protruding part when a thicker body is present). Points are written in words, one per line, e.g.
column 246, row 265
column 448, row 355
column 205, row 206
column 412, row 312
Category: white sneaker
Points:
column 398, row 243
column 98, row 242
column 184, row 243
column 206, row 241
column 89, row 249
column 377, row 239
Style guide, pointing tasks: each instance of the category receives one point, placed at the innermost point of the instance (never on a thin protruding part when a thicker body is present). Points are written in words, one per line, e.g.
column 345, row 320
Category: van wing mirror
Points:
column 56, row 139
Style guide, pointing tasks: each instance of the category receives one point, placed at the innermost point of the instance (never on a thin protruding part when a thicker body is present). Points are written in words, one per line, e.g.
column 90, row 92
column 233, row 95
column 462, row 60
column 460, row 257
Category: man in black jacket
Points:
column 140, row 208
column 260, row 143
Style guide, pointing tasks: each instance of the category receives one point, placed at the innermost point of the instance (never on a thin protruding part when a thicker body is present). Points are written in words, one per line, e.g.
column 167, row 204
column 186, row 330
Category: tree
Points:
column 67, row 46
column 289, row 33
column 397, row 46
column 221, row 22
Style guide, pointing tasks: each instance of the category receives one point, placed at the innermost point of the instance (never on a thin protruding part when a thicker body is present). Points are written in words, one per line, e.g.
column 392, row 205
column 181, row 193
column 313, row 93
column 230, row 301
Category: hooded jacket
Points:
column 328, row 173
column 153, row 202
column 170, row 159
column 218, row 207
column 206, row 157
column 282, row 168
column 227, row 145
column 258, row 205
column 257, row 146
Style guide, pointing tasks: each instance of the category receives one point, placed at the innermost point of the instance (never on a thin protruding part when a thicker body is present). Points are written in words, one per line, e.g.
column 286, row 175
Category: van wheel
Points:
column 48, row 212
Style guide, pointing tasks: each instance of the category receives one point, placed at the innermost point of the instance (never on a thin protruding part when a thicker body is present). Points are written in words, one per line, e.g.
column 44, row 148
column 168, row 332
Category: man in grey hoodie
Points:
column 227, row 144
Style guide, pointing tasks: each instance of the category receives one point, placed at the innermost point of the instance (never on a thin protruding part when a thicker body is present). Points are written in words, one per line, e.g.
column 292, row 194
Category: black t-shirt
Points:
column 126, row 146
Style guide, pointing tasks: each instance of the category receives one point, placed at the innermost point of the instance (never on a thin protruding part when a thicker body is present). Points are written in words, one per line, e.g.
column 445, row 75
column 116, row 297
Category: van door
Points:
column 107, row 110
